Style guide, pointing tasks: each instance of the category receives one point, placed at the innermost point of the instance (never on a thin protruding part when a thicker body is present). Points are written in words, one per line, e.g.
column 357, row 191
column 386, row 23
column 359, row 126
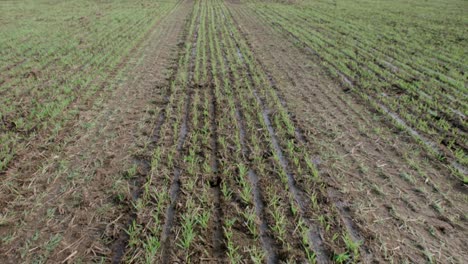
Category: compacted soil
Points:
column 221, row 138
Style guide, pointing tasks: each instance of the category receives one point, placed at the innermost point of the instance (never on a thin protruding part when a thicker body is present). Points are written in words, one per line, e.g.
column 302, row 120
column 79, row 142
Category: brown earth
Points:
column 72, row 202
column 76, row 192
column 365, row 160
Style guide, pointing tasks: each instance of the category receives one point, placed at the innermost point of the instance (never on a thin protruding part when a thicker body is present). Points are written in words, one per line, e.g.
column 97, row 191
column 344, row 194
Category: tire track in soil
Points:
column 144, row 168
column 450, row 119
column 332, row 104
column 388, row 57
column 216, row 179
column 339, row 109
column 143, row 164
column 339, row 204
column 315, row 232
column 343, row 212
column 215, row 182
column 439, row 149
column 14, row 165
column 301, row 138
column 142, row 92
column 342, row 209
column 268, row 244
column 166, row 240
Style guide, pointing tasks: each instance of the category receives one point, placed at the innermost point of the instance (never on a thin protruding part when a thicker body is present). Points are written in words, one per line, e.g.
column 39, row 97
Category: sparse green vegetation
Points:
column 215, row 161
column 405, row 58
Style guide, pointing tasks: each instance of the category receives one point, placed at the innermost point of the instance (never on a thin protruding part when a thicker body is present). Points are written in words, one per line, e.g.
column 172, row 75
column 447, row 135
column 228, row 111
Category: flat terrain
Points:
column 211, row 131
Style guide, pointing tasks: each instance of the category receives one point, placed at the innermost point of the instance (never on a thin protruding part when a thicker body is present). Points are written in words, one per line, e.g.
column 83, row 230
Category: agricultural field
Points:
column 233, row 131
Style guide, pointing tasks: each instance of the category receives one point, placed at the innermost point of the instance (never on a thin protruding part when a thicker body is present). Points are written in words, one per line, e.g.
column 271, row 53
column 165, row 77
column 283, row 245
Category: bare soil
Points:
column 74, row 199
column 72, row 188
column 365, row 170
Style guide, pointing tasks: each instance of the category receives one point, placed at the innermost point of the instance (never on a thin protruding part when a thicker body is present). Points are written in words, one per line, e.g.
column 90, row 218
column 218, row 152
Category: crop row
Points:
column 419, row 93
column 225, row 171
column 38, row 95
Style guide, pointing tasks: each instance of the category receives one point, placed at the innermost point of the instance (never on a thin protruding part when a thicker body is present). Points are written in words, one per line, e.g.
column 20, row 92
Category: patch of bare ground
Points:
column 402, row 204
column 72, row 200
